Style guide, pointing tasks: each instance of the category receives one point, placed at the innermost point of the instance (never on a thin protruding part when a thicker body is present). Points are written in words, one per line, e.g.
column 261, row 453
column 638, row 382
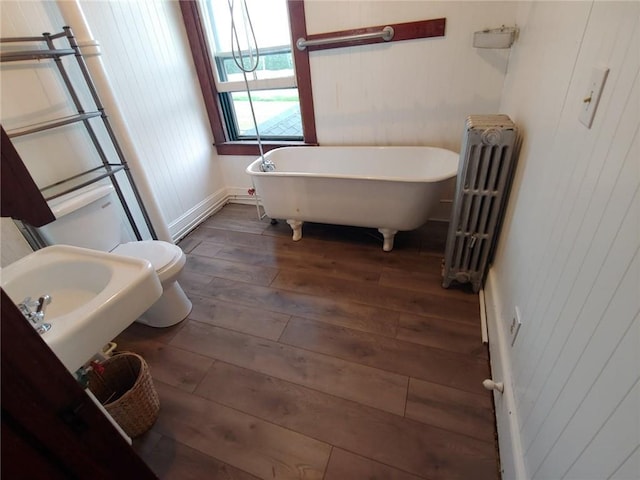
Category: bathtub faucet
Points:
column 267, row 165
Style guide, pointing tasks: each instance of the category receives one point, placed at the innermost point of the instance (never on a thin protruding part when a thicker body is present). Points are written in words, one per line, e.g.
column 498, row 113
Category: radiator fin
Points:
column 484, row 177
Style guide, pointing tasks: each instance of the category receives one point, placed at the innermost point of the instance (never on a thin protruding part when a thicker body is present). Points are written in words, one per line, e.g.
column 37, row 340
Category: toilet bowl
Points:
column 168, row 261
column 89, row 218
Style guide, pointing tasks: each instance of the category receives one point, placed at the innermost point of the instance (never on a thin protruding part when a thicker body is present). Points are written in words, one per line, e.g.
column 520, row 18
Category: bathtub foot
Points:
column 296, row 226
column 388, row 235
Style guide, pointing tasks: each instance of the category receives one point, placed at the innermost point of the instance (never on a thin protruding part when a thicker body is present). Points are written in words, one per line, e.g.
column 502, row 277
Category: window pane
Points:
column 277, row 113
column 276, row 62
column 270, row 22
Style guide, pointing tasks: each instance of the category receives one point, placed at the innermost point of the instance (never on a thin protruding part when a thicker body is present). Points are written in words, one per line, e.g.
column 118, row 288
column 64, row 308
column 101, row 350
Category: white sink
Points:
column 94, row 296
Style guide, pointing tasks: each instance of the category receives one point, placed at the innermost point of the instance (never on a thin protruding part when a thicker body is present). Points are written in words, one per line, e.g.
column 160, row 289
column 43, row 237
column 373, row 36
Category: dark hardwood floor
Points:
column 320, row 359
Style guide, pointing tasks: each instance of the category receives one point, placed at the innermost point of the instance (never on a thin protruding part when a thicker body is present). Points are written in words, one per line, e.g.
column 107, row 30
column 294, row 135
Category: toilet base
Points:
column 171, row 308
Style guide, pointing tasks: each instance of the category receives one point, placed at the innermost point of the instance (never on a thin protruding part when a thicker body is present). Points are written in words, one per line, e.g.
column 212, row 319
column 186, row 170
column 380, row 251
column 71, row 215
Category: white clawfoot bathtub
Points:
column 389, row 188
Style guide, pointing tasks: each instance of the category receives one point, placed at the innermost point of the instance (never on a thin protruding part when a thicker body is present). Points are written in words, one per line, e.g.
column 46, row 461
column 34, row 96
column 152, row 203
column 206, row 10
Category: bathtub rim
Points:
column 254, row 170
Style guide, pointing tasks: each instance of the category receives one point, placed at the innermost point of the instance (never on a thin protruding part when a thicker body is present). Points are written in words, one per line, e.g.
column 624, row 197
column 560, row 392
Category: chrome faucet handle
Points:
column 40, row 325
column 36, row 317
column 43, row 301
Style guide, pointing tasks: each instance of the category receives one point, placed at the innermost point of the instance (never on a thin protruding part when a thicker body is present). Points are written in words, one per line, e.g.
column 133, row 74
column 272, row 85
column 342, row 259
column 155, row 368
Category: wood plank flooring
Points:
column 320, row 359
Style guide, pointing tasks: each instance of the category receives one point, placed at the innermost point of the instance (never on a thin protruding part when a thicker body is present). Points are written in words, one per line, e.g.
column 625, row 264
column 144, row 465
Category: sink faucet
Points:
column 36, row 317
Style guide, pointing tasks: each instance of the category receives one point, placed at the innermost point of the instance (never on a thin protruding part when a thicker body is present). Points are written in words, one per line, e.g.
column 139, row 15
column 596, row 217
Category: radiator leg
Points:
column 388, row 235
column 296, row 226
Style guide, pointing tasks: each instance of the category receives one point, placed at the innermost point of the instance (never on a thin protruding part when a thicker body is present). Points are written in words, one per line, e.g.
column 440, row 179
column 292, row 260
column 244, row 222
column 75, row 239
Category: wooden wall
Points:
column 568, row 255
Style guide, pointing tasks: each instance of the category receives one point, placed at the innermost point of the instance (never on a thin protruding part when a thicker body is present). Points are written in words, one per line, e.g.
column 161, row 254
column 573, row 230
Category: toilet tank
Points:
column 87, row 218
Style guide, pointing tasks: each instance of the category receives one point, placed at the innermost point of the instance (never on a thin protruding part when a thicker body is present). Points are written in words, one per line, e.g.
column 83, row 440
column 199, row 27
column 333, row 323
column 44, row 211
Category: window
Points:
column 274, row 94
column 280, row 86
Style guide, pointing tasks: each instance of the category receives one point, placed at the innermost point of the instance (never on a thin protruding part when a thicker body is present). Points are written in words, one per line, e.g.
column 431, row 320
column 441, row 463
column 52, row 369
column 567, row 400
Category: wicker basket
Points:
column 126, row 390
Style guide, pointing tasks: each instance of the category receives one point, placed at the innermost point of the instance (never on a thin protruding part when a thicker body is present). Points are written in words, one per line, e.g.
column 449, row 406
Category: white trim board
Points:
column 241, row 195
column 512, row 464
column 193, row 217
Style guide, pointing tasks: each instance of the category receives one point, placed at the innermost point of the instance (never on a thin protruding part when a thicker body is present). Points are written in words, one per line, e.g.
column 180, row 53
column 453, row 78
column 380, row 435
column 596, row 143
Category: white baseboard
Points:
column 180, row 227
column 512, row 462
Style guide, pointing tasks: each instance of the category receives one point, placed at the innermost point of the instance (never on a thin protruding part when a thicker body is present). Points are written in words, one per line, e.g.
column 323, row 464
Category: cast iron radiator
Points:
column 484, row 177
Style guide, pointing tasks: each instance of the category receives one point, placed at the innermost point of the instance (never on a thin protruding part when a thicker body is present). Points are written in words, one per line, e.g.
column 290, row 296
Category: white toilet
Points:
column 90, row 218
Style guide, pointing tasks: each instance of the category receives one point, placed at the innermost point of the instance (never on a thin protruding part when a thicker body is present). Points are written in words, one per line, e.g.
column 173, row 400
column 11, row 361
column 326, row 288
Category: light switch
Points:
column 592, row 95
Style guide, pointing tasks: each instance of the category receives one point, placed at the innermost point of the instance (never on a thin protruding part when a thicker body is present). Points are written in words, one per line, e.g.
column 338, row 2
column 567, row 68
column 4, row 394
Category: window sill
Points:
column 251, row 148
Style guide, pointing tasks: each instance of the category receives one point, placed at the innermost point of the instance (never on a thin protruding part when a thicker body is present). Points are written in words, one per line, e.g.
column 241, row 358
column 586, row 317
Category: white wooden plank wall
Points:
column 146, row 54
column 568, row 255
column 629, row 468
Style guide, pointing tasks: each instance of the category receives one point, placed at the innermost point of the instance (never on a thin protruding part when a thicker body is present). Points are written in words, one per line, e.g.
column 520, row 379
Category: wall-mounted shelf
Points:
column 502, row 37
column 108, row 168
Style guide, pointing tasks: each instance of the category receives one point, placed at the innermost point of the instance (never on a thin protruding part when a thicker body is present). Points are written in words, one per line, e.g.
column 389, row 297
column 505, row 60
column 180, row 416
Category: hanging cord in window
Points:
column 254, row 59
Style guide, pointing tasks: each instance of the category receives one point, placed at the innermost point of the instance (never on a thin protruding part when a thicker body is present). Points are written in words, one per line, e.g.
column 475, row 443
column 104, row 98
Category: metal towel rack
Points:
column 386, row 34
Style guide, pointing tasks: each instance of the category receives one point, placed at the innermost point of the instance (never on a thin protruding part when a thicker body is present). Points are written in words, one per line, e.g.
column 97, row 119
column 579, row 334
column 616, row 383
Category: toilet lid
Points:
column 159, row 254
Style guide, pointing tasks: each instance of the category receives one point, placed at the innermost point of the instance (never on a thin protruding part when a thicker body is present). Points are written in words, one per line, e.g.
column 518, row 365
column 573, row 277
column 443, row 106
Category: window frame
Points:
column 196, row 35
